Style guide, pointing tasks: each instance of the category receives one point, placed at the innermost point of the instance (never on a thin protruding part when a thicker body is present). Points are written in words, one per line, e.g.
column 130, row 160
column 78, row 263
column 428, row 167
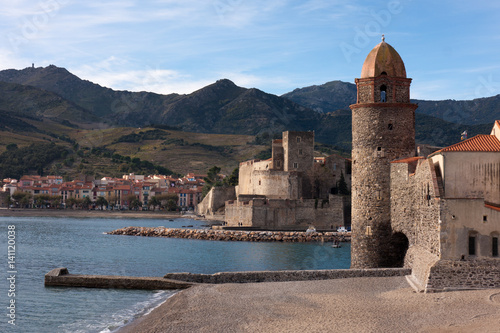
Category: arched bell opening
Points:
column 383, row 93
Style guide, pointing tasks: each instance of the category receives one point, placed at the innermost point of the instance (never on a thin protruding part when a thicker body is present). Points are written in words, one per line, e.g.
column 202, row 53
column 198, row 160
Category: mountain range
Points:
column 337, row 95
column 55, row 94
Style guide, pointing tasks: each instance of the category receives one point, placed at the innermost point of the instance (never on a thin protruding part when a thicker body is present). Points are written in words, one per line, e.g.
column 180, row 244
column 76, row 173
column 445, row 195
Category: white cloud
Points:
column 110, row 73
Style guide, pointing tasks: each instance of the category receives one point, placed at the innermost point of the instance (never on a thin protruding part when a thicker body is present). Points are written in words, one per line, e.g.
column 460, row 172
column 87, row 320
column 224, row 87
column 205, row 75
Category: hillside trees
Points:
column 15, row 162
column 212, row 179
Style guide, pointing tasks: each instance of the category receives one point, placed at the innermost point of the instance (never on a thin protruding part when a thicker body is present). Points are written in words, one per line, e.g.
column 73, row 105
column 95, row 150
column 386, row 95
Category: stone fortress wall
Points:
column 215, row 200
column 282, row 214
column 290, row 190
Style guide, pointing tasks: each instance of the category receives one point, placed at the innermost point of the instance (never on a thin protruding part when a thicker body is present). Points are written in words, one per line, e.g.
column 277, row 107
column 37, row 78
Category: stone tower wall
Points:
column 382, row 132
column 278, row 155
column 416, row 204
column 397, row 89
column 298, row 148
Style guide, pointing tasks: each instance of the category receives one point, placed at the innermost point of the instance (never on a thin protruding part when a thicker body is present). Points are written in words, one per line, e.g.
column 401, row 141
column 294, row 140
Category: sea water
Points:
column 82, row 246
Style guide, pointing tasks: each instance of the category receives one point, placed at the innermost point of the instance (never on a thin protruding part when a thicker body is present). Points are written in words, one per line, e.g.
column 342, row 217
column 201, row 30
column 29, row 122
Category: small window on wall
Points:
column 379, row 152
column 295, row 165
column 472, row 244
column 298, row 139
column 300, row 151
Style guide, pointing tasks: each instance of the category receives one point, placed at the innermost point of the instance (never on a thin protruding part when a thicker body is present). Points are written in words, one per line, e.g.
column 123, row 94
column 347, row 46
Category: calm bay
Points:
column 81, row 245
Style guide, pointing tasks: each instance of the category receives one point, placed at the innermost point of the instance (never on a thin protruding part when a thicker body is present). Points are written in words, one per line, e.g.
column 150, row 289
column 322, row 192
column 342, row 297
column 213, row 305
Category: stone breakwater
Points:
column 234, row 235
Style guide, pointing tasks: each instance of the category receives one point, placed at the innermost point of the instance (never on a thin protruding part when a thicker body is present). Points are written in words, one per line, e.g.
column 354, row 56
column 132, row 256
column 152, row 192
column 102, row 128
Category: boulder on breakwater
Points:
column 234, row 235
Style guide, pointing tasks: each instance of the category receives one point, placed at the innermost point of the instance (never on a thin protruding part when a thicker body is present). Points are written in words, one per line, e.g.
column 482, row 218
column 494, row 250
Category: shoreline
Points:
column 380, row 304
column 17, row 212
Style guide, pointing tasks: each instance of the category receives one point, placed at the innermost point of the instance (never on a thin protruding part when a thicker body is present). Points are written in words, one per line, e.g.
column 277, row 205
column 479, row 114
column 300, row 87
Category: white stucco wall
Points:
column 461, row 217
column 470, row 175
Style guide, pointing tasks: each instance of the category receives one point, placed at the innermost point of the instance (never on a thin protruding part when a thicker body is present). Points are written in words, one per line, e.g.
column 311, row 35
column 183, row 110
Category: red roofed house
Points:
column 188, row 198
column 446, row 207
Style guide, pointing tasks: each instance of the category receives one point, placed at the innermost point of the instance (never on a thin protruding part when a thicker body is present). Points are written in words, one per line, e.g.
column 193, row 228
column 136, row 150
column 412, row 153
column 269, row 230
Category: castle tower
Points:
column 298, row 151
column 383, row 130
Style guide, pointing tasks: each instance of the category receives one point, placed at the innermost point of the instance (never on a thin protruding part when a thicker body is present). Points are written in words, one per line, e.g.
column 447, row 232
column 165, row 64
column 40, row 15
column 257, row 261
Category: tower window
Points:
column 390, row 127
column 383, row 90
column 300, row 151
column 379, row 152
column 298, row 139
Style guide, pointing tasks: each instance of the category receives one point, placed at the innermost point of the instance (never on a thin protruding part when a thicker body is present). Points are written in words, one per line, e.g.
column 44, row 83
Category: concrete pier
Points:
column 287, row 276
column 61, row 277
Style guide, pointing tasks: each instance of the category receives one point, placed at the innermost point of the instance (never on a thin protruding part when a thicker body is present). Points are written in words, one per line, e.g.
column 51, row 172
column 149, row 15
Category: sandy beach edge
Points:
column 348, row 305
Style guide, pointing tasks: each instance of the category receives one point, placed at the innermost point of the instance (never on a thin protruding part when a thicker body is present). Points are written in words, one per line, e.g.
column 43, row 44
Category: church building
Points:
column 438, row 215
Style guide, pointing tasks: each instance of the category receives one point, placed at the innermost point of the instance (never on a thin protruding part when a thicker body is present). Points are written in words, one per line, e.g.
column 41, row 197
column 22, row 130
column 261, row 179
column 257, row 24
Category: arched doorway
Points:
column 400, row 245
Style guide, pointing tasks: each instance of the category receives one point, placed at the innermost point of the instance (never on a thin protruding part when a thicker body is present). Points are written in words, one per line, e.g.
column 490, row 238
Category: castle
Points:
column 439, row 215
column 291, row 190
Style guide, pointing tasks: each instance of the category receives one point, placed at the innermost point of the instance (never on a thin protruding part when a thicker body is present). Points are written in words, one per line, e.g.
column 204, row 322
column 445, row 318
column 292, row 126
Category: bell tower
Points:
column 383, row 130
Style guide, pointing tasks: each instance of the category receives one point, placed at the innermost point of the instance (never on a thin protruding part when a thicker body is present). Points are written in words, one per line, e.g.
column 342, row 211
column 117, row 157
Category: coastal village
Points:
column 132, row 191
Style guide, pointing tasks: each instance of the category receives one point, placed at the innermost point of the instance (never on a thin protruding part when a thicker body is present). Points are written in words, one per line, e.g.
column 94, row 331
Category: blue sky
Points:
column 450, row 48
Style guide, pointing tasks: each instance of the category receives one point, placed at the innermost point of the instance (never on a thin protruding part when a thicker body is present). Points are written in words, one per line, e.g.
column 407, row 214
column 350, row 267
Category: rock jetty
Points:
column 234, row 235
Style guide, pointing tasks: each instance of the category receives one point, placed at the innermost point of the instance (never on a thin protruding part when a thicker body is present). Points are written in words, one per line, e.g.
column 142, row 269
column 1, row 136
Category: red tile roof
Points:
column 408, row 160
column 492, row 207
column 479, row 143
